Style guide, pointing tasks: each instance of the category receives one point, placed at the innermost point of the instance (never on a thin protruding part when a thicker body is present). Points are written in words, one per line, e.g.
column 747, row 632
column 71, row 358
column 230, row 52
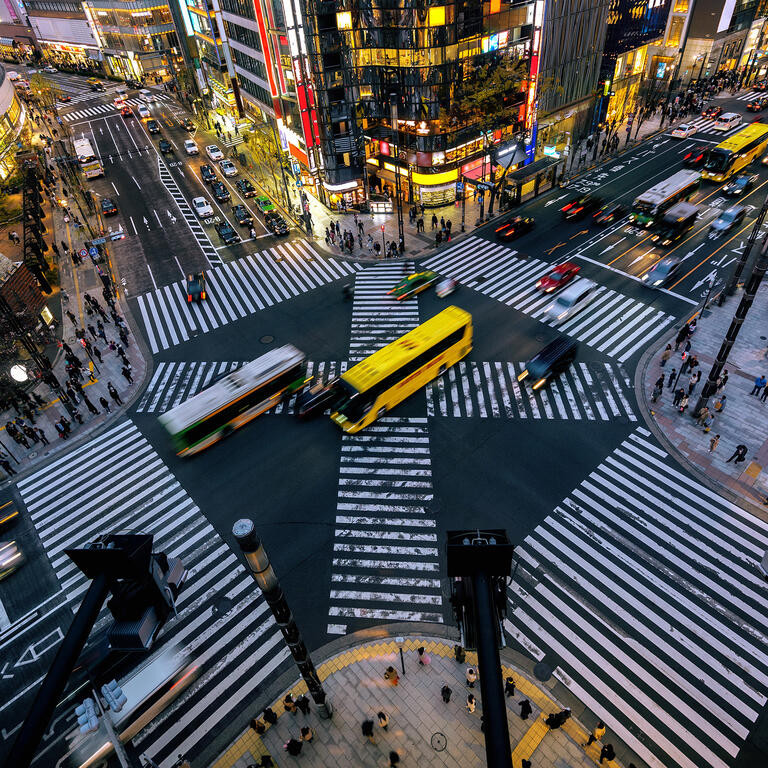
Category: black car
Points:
column 695, row 158
column 188, row 125
column 245, row 188
column 108, row 207
column 276, row 224
column 133, row 83
column 662, row 271
column 758, row 104
column 609, row 213
column 153, row 126
column 196, row 287
column 207, row 174
column 97, row 86
column 165, row 146
column 512, row 228
column 227, row 233
column 581, row 206
column 317, row 399
column 551, row 360
column 242, row 217
column 220, row 192
column 741, row 184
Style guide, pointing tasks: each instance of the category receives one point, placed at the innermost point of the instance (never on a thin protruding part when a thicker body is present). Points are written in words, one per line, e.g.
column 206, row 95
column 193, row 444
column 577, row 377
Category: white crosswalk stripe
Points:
column 592, row 391
column 118, row 482
column 749, row 95
column 386, row 564
column 378, row 319
column 97, row 110
column 707, row 125
column 644, row 588
column 612, row 323
column 236, row 290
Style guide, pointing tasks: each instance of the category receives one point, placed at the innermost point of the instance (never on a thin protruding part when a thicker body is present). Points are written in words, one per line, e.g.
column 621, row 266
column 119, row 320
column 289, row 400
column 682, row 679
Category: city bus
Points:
column 88, row 159
column 653, row 204
column 736, row 152
column 235, row 399
column 377, row 384
column 149, row 689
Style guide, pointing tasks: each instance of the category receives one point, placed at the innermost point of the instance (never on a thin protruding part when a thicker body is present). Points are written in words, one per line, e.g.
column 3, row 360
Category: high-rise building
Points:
column 65, row 31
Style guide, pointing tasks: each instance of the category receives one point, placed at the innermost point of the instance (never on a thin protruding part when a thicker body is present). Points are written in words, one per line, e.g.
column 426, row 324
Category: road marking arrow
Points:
column 552, row 202
column 583, row 232
column 147, row 223
column 704, row 279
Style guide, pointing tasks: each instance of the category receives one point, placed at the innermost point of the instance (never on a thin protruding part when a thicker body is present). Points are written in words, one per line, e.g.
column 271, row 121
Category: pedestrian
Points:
column 713, row 443
column 659, row 382
column 471, row 676
column 693, row 362
column 391, row 675
column 424, row 659
column 459, row 654
column 41, row 435
column 367, row 729
column 438, row 238
column 258, row 726
column 764, row 395
column 683, row 403
column 671, row 379
column 307, row 734
column 434, row 220
column 446, row 692
column 720, row 402
column 708, row 422
column 678, row 397
column 90, row 406
column 471, row 702
column 693, row 381
column 723, row 381
column 394, row 759
column 597, row 733
column 97, row 353
column 104, row 403
column 293, row 747
column 383, row 720
column 448, row 226
column 302, row 702
column 7, row 468
column 525, row 709
column 702, row 415
column 666, row 354
column 100, row 331
column 607, row 753
column 270, row 716
column 740, row 454
column 71, row 317
column 290, row 704
column 127, row 374
column 509, row 686
column 71, row 393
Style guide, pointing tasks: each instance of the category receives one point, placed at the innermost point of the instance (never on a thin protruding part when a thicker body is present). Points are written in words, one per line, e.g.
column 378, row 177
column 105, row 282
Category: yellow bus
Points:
column 736, row 152
column 377, row 384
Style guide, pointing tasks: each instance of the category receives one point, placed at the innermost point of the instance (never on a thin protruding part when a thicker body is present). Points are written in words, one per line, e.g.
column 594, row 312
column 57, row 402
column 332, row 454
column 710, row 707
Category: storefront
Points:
column 12, row 116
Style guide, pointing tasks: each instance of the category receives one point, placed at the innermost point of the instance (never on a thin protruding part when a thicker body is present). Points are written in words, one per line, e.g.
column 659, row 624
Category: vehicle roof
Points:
column 555, row 348
column 387, row 360
column 231, row 387
column 576, row 288
column 681, row 211
column 664, row 189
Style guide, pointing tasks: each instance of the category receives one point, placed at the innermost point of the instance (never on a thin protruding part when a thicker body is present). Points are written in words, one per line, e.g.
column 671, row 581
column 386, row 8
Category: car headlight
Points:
column 658, row 282
column 523, row 375
column 645, row 277
column 540, row 383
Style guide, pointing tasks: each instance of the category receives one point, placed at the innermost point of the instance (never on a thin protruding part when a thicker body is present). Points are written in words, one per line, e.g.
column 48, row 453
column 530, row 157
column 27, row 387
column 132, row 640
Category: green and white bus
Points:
column 235, row 399
column 653, row 204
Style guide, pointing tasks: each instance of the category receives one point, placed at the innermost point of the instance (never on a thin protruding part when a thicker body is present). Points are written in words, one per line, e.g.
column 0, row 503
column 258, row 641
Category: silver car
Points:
column 728, row 219
column 571, row 301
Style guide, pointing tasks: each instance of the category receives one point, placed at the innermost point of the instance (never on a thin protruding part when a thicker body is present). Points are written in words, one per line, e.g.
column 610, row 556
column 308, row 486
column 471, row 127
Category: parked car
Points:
column 202, row 207
column 245, row 188
column 264, row 204
column 276, row 224
column 228, row 168
column 108, row 207
column 242, row 216
column 165, row 147
column 214, row 152
column 207, row 174
column 227, row 233
column 220, row 192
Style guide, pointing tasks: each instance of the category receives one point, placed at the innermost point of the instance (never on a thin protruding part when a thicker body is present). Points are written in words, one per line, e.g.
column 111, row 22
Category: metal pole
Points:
column 741, row 263
column 258, row 562
column 396, row 141
column 5, row 448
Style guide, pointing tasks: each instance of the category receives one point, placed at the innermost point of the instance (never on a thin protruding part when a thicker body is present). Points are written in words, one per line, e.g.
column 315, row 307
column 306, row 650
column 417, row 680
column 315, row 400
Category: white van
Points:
column 727, row 121
column 146, row 95
column 571, row 301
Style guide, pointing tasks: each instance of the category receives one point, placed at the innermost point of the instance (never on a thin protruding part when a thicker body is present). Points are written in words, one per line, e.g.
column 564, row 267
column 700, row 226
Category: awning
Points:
column 530, row 170
column 6, row 41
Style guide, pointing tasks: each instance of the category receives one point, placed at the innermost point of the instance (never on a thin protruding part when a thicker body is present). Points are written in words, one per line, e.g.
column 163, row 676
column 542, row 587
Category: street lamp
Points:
column 19, row 373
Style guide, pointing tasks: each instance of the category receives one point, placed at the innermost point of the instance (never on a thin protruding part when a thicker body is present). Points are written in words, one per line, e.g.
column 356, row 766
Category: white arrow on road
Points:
column 147, row 223
column 612, row 246
column 552, row 202
column 171, row 217
column 705, row 279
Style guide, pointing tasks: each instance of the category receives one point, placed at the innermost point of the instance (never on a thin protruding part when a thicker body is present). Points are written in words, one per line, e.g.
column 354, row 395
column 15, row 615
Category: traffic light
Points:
column 87, row 718
column 114, row 695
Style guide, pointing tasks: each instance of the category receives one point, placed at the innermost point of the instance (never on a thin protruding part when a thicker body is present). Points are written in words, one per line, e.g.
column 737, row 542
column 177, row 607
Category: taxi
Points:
column 413, row 285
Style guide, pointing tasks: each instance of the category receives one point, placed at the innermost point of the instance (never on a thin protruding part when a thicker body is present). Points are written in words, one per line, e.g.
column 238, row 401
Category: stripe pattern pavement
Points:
column 118, row 482
column 100, row 110
column 236, row 290
column 613, row 323
column 173, row 383
column 378, row 319
column 386, row 564
column 645, row 588
column 707, row 125
column 591, row 391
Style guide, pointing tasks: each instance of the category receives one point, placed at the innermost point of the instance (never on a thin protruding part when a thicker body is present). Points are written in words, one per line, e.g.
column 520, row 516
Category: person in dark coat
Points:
column 525, row 709
column 303, row 704
column 509, row 686
column 269, row 716
column 104, row 403
column 607, row 753
column 446, row 692
column 293, row 747
column 367, row 729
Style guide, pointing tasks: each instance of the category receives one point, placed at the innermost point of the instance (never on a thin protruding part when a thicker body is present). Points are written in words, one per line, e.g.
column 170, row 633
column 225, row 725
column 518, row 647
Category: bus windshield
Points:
column 351, row 403
column 718, row 160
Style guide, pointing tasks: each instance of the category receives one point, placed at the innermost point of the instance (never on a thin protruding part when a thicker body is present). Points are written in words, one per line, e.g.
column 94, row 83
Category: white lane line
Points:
column 133, row 224
column 152, row 276
column 115, row 188
column 137, row 184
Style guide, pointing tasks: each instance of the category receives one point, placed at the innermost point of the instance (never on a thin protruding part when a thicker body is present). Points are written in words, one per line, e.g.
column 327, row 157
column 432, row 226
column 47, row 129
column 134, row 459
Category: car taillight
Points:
column 202, row 294
column 567, row 207
column 579, row 209
column 189, row 297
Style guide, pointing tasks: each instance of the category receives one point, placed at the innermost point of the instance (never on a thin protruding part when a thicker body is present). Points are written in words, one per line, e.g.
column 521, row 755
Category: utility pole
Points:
column 742, row 261
column 748, row 297
column 258, row 562
column 396, row 141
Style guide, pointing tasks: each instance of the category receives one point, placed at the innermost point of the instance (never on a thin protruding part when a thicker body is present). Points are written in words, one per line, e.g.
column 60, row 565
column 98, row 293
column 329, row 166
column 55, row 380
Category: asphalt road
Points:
column 355, row 525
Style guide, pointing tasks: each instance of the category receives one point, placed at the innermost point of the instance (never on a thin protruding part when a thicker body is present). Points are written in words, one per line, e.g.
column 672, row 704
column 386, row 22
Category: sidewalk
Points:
column 74, row 283
column 423, row 729
column 742, row 420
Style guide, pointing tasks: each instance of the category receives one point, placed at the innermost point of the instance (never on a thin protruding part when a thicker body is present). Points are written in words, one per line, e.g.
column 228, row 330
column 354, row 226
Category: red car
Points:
column 126, row 111
column 695, row 158
column 712, row 112
column 558, row 277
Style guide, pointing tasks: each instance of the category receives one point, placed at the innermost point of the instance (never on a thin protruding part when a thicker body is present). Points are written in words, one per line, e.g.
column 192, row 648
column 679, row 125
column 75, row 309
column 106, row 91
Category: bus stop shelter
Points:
column 532, row 180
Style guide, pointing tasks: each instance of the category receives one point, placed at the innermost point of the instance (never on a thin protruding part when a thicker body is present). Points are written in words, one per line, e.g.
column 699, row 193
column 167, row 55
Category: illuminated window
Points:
column 495, row 6
column 681, row 6
column 344, row 20
column 437, row 16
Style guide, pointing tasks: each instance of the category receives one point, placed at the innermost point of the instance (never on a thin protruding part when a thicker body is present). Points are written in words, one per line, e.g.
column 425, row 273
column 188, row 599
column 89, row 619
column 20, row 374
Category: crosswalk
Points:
column 707, row 125
column 589, row 391
column 643, row 586
column 118, row 482
column 234, row 291
column 174, row 382
column 101, row 110
column 613, row 323
column 377, row 319
column 386, row 563
column 750, row 95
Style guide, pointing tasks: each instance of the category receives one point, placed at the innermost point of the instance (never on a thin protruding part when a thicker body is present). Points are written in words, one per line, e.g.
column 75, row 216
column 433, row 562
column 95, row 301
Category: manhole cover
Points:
column 438, row 741
column 762, row 338
column 267, row 339
column 221, row 605
column 33, row 455
column 542, row 671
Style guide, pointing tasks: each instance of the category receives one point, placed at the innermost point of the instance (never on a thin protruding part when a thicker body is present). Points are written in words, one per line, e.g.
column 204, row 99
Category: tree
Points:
column 44, row 90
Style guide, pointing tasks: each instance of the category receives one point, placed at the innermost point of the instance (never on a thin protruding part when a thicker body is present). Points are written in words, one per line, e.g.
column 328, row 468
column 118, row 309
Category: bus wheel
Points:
column 382, row 411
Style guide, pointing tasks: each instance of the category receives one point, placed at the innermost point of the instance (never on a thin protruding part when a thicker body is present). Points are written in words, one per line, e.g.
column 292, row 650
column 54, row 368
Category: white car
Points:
column 13, row 76
column 571, row 301
column 145, row 113
column 228, row 168
column 32, row 71
column 214, row 152
column 50, row 69
column 684, row 130
column 202, row 207
column 191, row 148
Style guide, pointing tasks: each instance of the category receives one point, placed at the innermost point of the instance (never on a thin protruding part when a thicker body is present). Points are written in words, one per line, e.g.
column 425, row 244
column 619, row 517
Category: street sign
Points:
column 298, row 182
column 99, row 240
column 459, row 186
column 82, row 253
column 94, row 252
column 483, row 186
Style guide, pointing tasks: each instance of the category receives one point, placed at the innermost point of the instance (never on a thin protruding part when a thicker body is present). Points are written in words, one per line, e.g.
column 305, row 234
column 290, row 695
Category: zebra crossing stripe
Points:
column 680, row 560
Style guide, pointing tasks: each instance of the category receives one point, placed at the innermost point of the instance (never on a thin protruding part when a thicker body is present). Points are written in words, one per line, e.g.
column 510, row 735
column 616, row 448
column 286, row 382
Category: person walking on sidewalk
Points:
column 471, row 677
column 391, row 675
column 607, row 753
column 41, row 435
column 367, row 729
column 678, row 397
column 127, row 374
column 597, row 733
column 7, row 468
column 525, row 709
column 713, row 443
column 693, row 381
column 104, row 403
column 383, row 720
column 509, row 686
column 740, row 454
column 671, row 379
column 113, row 393
column 394, row 759
column 666, row 354
column 764, row 395
column 446, row 692
column 760, row 383
column 471, row 703
column 434, row 220
column 90, row 406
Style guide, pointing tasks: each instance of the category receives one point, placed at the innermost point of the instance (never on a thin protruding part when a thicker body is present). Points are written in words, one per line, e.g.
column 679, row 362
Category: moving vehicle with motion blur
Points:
column 675, row 224
column 581, row 206
column 740, row 185
column 412, row 285
column 188, row 125
column 144, row 112
column 514, row 227
column 653, row 204
column 758, row 104
column 558, row 277
column 609, row 213
column 316, row 399
column 552, row 360
column 571, row 301
column 727, row 121
column 196, row 287
column 387, row 377
column 735, row 153
column 11, row 558
column 712, row 112
column 695, row 158
column 149, row 690
column 662, row 272
column 728, row 219
column 235, row 399
column 9, row 515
